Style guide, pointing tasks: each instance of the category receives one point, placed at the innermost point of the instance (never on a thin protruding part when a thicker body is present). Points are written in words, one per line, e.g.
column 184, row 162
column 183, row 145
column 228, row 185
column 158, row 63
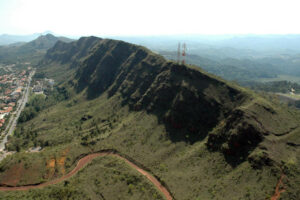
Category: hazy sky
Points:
column 141, row 17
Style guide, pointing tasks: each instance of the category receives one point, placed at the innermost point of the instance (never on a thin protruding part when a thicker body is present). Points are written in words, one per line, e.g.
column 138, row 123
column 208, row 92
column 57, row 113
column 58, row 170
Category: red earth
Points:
column 83, row 162
column 279, row 188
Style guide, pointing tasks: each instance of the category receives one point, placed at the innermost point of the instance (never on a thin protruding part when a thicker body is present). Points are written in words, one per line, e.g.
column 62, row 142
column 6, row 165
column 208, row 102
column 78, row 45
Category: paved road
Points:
column 14, row 119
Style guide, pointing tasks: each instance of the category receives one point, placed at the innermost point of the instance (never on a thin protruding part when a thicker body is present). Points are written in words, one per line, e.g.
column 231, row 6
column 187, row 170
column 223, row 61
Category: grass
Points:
column 183, row 167
column 139, row 110
column 103, row 178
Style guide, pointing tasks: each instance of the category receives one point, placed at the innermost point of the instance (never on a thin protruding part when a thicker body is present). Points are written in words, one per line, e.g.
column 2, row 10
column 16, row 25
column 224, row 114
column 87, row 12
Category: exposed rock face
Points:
column 193, row 105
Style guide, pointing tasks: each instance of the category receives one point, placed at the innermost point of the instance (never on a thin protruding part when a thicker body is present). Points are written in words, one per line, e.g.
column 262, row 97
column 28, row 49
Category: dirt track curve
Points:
column 279, row 188
column 84, row 161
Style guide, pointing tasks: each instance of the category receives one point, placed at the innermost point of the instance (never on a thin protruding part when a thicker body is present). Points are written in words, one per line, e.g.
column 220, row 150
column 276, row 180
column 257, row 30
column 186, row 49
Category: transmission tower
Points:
column 178, row 53
column 183, row 53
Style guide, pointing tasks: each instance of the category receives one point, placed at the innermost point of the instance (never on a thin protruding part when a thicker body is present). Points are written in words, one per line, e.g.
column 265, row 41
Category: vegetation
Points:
column 107, row 178
column 203, row 137
column 277, row 86
column 40, row 102
column 240, row 70
column 39, row 75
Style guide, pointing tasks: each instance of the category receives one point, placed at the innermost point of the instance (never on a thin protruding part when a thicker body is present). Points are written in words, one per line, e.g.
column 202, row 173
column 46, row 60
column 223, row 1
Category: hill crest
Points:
column 192, row 104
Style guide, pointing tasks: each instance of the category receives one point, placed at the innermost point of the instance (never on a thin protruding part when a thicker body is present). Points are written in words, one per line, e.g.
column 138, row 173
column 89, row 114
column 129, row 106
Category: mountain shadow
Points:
column 192, row 104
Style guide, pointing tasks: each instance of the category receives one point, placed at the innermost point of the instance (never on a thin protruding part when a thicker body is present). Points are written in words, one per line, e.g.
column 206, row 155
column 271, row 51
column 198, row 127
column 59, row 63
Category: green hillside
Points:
column 203, row 137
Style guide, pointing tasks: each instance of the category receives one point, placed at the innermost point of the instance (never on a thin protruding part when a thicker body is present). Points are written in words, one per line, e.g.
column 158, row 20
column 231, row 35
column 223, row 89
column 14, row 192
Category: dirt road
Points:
column 84, row 161
column 279, row 188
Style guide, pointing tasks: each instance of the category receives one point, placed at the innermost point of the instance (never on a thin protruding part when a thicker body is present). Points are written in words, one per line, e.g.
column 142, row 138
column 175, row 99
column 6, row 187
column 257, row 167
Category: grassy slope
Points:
column 190, row 169
column 183, row 167
column 106, row 178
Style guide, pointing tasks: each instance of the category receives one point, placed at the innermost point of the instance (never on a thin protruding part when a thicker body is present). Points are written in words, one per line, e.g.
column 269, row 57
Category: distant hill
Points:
column 203, row 137
column 236, row 46
column 45, row 42
column 271, row 43
column 6, row 39
column 240, row 70
column 32, row 50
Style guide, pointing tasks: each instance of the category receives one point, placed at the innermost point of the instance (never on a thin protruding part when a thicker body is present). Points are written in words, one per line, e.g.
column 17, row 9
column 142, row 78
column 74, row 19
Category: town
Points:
column 14, row 92
column 12, row 84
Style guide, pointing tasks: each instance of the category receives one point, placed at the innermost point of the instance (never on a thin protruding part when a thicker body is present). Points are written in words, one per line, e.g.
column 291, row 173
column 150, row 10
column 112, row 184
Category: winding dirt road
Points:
column 279, row 188
column 84, row 161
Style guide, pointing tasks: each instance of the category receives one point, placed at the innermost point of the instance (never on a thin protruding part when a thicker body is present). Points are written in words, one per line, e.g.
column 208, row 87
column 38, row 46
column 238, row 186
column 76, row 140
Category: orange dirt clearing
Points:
column 51, row 163
column 51, row 168
column 61, row 161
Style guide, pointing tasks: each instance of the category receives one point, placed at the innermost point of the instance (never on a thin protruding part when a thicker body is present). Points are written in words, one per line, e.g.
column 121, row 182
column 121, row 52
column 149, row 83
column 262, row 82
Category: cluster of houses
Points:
column 42, row 85
column 11, row 86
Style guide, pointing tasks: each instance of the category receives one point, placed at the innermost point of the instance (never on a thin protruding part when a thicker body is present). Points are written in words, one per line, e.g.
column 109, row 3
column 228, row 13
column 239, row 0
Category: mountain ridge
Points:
column 203, row 137
column 147, row 81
